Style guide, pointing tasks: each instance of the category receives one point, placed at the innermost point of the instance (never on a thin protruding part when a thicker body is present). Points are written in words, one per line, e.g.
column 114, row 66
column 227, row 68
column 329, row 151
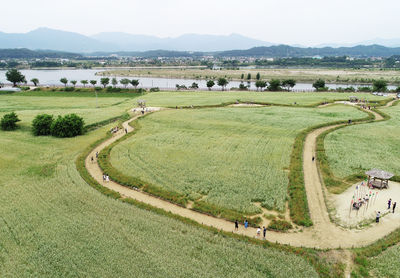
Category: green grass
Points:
column 27, row 107
column 355, row 149
column 54, row 225
column 228, row 157
column 172, row 99
column 387, row 264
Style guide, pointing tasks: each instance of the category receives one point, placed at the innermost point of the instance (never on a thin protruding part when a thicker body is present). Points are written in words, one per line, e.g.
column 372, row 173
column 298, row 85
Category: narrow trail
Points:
column 323, row 234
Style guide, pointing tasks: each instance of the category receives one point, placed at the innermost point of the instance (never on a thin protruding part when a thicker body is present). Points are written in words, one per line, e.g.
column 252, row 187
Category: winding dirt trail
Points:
column 323, row 234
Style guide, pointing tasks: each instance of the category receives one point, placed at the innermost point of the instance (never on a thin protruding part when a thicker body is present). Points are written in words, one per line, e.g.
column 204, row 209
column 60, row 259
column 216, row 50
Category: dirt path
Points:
column 324, row 233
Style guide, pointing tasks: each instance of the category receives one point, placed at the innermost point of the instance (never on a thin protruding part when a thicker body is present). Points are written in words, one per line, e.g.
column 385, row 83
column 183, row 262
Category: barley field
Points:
column 387, row 263
column 52, row 224
column 172, row 99
column 230, row 157
column 356, row 149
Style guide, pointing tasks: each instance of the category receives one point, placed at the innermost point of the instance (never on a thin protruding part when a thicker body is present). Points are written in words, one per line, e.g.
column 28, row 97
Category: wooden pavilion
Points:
column 379, row 178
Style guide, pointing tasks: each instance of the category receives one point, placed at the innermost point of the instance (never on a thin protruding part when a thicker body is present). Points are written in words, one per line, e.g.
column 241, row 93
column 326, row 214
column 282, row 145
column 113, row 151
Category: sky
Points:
column 306, row 22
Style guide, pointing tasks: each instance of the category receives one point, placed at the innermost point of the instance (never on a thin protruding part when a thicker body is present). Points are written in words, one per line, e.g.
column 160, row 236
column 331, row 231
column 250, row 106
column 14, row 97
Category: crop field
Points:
column 230, row 157
column 52, row 224
column 27, row 107
column 356, row 149
column 301, row 75
column 386, row 264
column 172, row 99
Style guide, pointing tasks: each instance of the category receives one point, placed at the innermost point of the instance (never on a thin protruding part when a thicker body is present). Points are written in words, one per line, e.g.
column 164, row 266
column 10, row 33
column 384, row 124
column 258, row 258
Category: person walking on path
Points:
column 264, row 231
column 389, row 203
column 258, row 232
column 394, row 206
column 246, row 223
column 236, row 225
column 126, row 131
column 107, row 178
column 97, row 155
column 313, row 158
column 91, row 159
column 378, row 215
column 104, row 177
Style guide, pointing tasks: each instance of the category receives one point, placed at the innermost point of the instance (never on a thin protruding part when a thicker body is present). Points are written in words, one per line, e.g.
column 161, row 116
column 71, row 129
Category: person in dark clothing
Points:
column 389, row 203
column 313, row 158
column 126, row 131
column 394, row 206
column 236, row 225
column 264, row 231
column 378, row 215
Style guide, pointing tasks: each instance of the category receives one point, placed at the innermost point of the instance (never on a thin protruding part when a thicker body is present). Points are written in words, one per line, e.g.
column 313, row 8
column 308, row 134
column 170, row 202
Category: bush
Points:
column 41, row 124
column 156, row 89
column 111, row 89
column 68, row 126
column 9, row 121
column 69, row 89
column 279, row 225
column 24, row 88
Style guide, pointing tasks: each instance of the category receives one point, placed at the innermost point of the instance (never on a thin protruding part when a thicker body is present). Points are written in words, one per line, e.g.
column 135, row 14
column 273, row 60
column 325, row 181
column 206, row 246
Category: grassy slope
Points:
column 232, row 155
column 172, row 99
column 52, row 224
column 358, row 148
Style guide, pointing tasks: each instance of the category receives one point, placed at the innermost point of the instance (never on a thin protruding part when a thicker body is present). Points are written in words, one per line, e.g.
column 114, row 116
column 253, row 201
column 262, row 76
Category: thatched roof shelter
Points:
column 382, row 176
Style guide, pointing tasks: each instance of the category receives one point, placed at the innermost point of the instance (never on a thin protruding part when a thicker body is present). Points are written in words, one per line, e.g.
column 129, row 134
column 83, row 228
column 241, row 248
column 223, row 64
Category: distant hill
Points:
column 281, row 51
column 23, row 53
column 187, row 42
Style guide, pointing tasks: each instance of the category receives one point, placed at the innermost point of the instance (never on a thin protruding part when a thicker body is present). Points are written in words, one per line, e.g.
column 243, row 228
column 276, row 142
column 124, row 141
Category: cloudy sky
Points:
column 307, row 22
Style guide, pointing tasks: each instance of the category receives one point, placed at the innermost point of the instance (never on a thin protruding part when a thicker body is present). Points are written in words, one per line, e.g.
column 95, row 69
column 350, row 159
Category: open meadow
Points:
column 172, row 99
column 301, row 75
column 356, row 149
column 229, row 157
column 52, row 224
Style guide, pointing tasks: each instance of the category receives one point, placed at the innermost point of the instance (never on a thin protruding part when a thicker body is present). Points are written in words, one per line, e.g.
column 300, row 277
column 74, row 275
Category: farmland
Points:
column 230, row 157
column 355, row 149
column 172, row 99
column 387, row 263
column 54, row 225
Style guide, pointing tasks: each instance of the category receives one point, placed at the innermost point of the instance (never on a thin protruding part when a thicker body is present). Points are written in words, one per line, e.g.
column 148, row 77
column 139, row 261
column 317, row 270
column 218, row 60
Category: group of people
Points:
column 106, row 178
column 246, row 225
column 114, row 130
column 391, row 206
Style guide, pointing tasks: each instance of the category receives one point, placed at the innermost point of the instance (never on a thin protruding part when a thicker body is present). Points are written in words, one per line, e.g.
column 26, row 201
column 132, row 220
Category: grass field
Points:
column 356, row 149
column 27, row 107
column 301, row 75
column 172, row 99
column 52, row 224
column 229, row 157
column 386, row 264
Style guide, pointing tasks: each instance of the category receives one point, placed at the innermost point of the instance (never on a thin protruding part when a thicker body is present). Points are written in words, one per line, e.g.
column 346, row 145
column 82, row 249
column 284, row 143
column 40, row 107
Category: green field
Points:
column 229, row 157
column 356, row 149
column 386, row 264
column 27, row 107
column 172, row 99
column 52, row 224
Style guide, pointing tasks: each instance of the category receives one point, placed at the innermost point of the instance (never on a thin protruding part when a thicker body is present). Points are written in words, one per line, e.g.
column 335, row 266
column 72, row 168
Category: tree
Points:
column 125, row 82
column 114, row 82
column 104, row 81
column 261, row 84
column 64, row 81
column 319, row 84
column 41, row 124
column 68, row 126
column 249, row 76
column 35, row 81
column 274, row 85
column 258, row 76
column 222, row 82
column 379, row 85
column 15, row 77
column 93, row 82
column 194, row 85
column 84, row 82
column 73, row 82
column 288, row 84
column 9, row 121
column 135, row 83
column 242, row 76
column 210, row 84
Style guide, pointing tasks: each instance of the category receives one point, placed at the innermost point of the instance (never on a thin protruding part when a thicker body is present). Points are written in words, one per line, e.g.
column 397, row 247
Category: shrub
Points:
column 69, row 89
column 41, row 124
column 156, row 89
column 279, row 225
column 9, row 121
column 68, row 126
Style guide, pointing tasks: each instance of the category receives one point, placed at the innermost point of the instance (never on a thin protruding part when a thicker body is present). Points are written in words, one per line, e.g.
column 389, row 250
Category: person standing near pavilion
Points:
column 389, row 203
